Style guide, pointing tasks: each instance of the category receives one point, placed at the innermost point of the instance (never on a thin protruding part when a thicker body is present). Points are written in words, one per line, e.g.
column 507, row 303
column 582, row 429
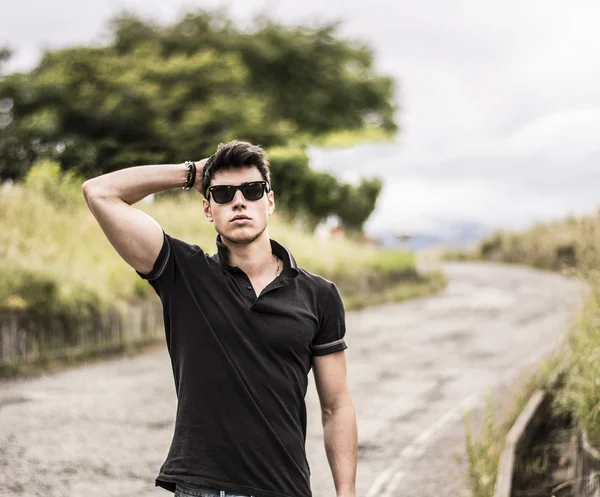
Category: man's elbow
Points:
column 339, row 405
column 90, row 188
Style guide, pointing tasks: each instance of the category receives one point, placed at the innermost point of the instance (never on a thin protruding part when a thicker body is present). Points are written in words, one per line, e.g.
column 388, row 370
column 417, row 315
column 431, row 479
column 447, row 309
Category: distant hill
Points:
column 460, row 234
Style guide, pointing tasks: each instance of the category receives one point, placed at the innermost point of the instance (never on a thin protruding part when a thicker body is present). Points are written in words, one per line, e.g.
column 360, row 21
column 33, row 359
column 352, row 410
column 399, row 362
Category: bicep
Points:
column 135, row 235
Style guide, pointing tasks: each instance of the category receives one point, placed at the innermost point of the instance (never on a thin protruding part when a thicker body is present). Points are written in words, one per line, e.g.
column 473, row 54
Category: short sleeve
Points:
column 161, row 261
column 332, row 326
column 164, row 273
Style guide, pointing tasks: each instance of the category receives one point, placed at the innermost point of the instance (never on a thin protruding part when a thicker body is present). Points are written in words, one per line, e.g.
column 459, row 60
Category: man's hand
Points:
column 199, row 174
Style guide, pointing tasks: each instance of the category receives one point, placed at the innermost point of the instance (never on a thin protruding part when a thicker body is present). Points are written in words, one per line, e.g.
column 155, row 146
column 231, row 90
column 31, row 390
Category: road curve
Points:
column 103, row 429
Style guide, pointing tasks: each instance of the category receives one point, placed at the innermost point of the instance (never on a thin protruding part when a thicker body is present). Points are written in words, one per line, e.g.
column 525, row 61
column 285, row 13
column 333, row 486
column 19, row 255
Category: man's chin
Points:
column 242, row 236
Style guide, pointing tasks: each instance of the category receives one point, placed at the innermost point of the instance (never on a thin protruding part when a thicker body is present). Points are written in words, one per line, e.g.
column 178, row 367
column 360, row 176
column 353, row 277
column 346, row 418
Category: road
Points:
column 103, row 429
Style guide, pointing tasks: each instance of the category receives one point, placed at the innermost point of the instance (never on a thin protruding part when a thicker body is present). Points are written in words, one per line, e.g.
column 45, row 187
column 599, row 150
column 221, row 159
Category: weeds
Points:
column 54, row 256
column 484, row 451
column 572, row 244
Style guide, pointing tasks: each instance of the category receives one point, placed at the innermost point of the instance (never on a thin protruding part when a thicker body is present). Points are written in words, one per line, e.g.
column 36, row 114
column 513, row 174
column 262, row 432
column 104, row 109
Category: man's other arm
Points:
column 339, row 420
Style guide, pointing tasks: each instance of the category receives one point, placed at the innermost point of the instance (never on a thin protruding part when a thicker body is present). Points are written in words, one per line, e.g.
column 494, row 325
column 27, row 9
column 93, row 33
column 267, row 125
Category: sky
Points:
column 499, row 101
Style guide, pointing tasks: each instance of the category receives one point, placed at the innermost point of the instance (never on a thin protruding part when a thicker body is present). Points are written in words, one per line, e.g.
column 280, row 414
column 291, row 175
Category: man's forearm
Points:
column 341, row 446
column 134, row 183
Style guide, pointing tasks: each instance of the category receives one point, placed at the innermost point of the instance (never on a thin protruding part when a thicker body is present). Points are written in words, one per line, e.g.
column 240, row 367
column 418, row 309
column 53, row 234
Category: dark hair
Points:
column 233, row 155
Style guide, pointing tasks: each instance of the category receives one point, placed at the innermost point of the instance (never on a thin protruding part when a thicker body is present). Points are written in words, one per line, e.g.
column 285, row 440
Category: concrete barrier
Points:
column 518, row 439
column 27, row 336
column 584, row 478
column 587, row 467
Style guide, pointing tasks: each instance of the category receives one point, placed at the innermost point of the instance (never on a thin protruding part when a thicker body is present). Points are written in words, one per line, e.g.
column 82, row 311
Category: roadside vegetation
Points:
column 571, row 246
column 485, row 447
column 164, row 93
column 55, row 258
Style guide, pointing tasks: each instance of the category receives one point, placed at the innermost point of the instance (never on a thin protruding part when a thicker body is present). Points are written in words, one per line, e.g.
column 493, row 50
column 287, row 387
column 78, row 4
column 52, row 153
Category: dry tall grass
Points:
column 573, row 246
column 574, row 243
column 53, row 254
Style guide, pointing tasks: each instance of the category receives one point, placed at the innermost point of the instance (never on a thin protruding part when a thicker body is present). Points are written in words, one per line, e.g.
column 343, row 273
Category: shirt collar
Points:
column 276, row 248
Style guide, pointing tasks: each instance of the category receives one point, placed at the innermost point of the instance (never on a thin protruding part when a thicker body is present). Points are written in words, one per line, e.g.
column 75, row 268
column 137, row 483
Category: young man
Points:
column 243, row 329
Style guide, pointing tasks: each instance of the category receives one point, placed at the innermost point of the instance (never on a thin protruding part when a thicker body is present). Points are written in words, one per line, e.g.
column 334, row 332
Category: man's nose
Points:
column 239, row 199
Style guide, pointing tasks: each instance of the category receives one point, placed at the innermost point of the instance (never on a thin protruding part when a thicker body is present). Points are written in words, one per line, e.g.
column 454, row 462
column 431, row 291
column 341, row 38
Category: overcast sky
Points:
column 500, row 101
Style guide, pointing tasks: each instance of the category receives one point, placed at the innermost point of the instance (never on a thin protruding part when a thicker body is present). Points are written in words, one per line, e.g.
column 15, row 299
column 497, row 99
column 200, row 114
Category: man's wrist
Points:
column 346, row 491
column 182, row 171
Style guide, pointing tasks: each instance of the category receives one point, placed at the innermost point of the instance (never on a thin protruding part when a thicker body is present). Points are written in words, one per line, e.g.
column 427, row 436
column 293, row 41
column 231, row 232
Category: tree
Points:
column 305, row 194
column 308, row 75
column 159, row 94
column 356, row 203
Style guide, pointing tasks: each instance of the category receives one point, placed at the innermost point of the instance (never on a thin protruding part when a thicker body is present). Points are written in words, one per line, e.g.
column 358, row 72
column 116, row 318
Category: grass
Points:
column 581, row 392
column 572, row 246
column 53, row 251
column 570, row 243
column 49, row 364
column 427, row 284
column 484, row 450
column 55, row 258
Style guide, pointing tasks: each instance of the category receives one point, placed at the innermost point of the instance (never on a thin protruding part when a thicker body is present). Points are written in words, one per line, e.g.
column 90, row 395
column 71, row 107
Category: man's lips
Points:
column 240, row 218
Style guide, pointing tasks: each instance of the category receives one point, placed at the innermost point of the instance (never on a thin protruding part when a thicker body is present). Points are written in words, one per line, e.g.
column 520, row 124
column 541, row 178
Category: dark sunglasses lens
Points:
column 253, row 191
column 223, row 194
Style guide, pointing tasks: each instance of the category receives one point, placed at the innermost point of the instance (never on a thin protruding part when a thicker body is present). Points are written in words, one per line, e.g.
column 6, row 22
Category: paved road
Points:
column 103, row 429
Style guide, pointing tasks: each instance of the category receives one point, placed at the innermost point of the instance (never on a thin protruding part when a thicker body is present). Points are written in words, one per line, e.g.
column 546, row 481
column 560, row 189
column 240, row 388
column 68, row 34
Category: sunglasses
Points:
column 223, row 194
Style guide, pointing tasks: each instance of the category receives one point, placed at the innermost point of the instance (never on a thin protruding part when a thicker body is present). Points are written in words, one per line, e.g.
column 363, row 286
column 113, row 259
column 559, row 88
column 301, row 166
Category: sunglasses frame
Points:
column 265, row 188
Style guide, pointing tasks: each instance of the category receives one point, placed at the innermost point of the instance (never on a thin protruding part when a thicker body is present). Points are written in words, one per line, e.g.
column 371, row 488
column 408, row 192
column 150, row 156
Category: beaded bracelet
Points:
column 191, row 174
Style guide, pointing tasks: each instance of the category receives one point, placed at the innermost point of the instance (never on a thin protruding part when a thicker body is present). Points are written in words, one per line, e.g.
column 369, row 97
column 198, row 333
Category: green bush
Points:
column 54, row 256
column 47, row 178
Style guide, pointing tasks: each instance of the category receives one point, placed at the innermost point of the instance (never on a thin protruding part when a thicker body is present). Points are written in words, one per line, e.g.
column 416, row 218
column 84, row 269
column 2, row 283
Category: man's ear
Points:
column 207, row 211
column 271, row 200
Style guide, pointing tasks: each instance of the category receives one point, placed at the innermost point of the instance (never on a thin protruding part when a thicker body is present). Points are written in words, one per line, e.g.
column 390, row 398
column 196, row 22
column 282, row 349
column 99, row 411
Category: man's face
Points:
column 255, row 212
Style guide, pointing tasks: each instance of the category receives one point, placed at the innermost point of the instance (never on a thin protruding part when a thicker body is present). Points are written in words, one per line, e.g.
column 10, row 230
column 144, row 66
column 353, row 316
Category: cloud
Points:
column 499, row 100
column 546, row 169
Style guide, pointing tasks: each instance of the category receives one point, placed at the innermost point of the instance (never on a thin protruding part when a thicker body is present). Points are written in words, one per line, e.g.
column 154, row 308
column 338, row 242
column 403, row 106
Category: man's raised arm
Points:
column 135, row 235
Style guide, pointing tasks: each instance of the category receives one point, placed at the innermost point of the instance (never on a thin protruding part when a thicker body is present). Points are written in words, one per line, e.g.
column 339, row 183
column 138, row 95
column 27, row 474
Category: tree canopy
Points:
column 165, row 93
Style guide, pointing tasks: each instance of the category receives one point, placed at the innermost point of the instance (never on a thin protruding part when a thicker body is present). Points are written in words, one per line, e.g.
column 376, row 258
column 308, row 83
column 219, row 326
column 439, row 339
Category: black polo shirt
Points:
column 240, row 365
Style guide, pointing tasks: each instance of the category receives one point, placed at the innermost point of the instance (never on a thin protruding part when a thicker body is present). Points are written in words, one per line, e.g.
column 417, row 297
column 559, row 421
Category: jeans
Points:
column 186, row 490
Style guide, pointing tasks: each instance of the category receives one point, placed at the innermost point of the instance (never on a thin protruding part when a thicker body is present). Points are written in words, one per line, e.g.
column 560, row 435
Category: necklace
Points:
column 277, row 270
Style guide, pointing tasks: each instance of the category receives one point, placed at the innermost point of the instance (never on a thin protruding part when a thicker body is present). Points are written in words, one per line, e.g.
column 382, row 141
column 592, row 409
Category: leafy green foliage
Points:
column 62, row 189
column 357, row 202
column 164, row 93
column 307, row 195
column 54, row 256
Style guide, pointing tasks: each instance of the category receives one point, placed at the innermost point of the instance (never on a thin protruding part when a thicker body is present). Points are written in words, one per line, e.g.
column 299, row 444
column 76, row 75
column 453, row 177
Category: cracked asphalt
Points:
column 103, row 429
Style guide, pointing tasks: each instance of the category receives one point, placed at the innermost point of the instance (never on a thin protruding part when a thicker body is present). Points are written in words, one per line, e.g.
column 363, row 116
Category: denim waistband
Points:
column 197, row 491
